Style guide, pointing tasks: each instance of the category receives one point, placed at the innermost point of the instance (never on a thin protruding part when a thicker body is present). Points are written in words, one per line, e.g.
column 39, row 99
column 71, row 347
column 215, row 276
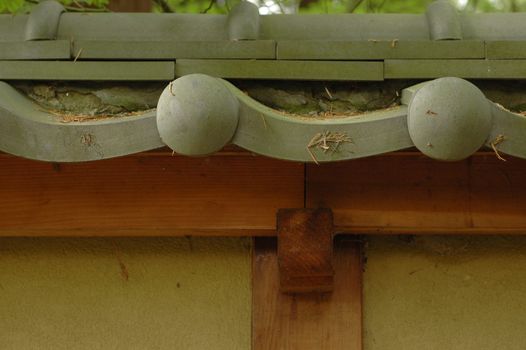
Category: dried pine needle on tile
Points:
column 66, row 117
column 327, row 141
column 500, row 138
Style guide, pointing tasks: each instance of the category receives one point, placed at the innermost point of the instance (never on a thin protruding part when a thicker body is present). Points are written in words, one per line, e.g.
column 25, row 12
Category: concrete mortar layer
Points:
column 436, row 292
column 125, row 293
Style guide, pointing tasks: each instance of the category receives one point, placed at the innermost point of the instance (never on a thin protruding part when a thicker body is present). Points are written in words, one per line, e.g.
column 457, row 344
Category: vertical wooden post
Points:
column 315, row 321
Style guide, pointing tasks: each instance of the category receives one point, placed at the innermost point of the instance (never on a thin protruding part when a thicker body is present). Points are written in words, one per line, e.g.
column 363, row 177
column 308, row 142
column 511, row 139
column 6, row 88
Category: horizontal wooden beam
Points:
column 235, row 193
column 305, row 250
column 417, row 195
column 147, row 196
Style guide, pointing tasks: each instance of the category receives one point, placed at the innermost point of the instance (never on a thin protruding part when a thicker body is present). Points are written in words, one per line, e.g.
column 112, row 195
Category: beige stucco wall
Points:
column 182, row 293
column 148, row 293
column 445, row 293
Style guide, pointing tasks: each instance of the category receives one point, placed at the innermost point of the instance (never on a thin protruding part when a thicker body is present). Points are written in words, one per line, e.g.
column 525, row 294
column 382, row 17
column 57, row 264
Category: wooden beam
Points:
column 151, row 195
column 305, row 250
column 307, row 321
column 413, row 194
column 397, row 193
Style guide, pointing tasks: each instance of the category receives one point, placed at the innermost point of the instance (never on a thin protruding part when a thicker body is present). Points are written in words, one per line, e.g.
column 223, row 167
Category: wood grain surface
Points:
column 330, row 321
column 410, row 193
column 237, row 194
column 305, row 242
column 147, row 194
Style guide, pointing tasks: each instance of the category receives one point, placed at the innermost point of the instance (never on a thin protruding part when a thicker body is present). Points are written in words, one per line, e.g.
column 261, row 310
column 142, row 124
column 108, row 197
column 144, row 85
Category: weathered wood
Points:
column 147, row 195
column 482, row 69
column 272, row 69
column 307, row 321
column 397, row 193
column 158, row 50
column 305, row 250
column 379, row 49
column 407, row 193
column 35, row 50
column 59, row 70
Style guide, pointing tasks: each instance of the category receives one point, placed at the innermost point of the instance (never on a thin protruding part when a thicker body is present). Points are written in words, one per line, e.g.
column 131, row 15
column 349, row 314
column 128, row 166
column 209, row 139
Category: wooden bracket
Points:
column 305, row 250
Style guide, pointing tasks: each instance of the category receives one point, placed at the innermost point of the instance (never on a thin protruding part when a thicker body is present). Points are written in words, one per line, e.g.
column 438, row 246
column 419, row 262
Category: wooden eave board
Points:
column 275, row 69
column 103, row 70
column 470, row 69
column 244, row 49
column 149, row 194
column 379, row 49
column 410, row 193
column 511, row 49
column 237, row 194
column 35, row 50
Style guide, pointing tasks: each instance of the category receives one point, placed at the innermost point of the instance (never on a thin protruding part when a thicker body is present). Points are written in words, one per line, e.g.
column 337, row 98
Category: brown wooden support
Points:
column 305, row 250
column 157, row 194
column 307, row 321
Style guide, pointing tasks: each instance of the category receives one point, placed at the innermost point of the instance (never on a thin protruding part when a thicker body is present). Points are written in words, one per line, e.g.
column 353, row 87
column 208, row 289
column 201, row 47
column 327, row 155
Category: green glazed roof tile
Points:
column 494, row 26
column 265, row 69
column 443, row 21
column 143, row 27
column 35, row 50
column 163, row 50
column 59, row 70
column 12, row 28
column 244, row 35
column 42, row 23
column 200, row 49
column 472, row 69
column 510, row 49
column 379, row 49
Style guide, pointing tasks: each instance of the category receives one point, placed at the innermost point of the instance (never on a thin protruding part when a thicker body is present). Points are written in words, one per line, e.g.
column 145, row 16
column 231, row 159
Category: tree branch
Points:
column 163, row 5
column 353, row 4
column 210, row 5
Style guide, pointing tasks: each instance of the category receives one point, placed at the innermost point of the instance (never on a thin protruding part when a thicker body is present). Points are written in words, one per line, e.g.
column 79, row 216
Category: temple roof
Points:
column 199, row 113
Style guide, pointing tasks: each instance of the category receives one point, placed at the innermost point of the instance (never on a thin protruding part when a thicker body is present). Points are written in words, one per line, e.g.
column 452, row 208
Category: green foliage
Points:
column 23, row 6
column 200, row 6
column 407, row 6
column 11, row 6
column 288, row 6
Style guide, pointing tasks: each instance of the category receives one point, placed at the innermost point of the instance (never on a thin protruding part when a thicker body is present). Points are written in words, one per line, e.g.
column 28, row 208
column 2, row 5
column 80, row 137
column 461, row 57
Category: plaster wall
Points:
column 147, row 293
column 445, row 293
